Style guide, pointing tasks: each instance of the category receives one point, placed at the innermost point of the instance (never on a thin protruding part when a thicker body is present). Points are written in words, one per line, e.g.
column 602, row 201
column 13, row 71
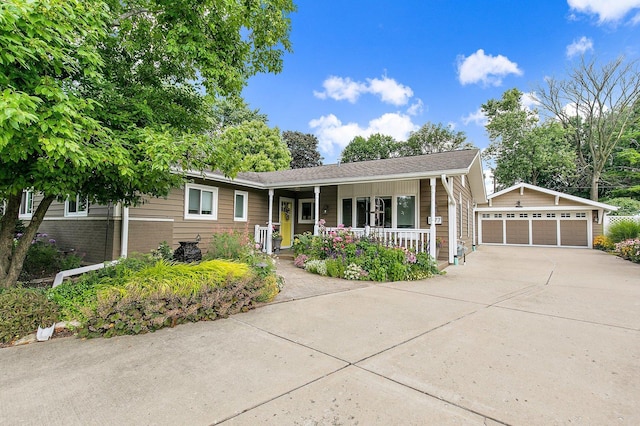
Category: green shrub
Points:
column 230, row 244
column 627, row 206
column 165, row 294
column 623, row 230
column 164, row 251
column 45, row 260
column 335, row 268
column 22, row 311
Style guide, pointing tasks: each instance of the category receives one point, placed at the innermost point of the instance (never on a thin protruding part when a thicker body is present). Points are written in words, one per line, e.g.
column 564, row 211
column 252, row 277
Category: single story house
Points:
column 412, row 201
column 529, row 215
column 434, row 203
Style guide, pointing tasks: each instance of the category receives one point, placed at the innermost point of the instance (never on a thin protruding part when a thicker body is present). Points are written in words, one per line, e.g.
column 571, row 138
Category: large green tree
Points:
column 595, row 106
column 111, row 99
column 432, row 138
column 522, row 149
column 254, row 146
column 375, row 147
column 303, row 148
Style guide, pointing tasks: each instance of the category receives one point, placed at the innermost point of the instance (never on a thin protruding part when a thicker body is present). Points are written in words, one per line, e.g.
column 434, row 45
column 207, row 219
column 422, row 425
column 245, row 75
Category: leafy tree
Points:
column 232, row 111
column 523, row 150
column 303, row 148
column 595, row 106
column 627, row 206
column 255, row 147
column 432, row 138
column 109, row 98
column 376, row 147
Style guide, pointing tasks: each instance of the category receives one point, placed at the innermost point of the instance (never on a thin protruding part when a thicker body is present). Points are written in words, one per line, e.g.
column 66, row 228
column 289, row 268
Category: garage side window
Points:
column 76, row 206
column 201, row 202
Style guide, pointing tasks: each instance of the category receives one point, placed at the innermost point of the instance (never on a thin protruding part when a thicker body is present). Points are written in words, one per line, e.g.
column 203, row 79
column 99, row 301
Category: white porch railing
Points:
column 261, row 236
column 416, row 239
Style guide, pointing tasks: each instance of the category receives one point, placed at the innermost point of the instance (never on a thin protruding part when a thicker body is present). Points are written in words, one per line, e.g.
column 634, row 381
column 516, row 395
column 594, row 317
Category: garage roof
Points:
column 591, row 203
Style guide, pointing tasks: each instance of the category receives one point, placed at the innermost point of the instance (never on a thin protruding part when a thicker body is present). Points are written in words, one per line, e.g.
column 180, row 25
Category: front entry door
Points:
column 286, row 221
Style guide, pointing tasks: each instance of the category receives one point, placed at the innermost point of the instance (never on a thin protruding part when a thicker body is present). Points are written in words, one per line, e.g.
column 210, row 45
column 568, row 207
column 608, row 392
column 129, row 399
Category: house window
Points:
column 26, row 205
column 550, row 215
column 347, row 212
column 240, row 206
column 511, row 215
column 537, row 215
column 406, row 211
column 3, row 207
column 306, row 210
column 362, row 212
column 523, row 215
column 486, row 215
column 497, row 215
column 201, row 202
column 581, row 214
column 76, row 206
column 565, row 215
column 383, row 213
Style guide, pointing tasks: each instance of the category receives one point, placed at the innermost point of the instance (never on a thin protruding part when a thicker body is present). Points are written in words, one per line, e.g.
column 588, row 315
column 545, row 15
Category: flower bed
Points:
column 342, row 254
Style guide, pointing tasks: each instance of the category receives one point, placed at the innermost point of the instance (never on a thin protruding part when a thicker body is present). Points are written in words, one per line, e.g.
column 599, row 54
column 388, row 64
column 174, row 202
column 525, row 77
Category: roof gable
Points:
column 552, row 193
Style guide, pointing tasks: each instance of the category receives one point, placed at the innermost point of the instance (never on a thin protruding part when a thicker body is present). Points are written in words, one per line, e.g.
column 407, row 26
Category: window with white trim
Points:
column 306, row 210
column 26, row 205
column 536, row 215
column 583, row 214
column 3, row 207
column 511, row 215
column 76, row 206
column 550, row 215
column 486, row 215
column 565, row 215
column 201, row 202
column 406, row 211
column 523, row 215
column 240, row 203
column 497, row 215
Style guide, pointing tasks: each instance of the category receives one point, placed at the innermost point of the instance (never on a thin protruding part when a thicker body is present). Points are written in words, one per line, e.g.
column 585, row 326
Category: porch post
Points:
column 270, row 223
column 316, row 213
column 432, row 228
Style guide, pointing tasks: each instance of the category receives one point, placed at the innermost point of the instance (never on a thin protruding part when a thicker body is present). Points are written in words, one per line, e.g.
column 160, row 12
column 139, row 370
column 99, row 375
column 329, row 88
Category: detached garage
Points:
column 529, row 215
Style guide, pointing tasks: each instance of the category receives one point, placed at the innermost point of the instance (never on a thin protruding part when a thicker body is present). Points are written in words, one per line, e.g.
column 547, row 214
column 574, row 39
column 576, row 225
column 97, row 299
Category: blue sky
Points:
column 363, row 67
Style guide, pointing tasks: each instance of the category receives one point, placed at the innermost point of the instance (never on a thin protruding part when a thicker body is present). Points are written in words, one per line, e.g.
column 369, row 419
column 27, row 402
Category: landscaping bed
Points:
column 342, row 254
column 144, row 293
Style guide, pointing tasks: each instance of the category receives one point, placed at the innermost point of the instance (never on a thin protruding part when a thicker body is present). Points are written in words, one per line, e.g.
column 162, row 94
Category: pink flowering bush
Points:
column 349, row 256
column 629, row 249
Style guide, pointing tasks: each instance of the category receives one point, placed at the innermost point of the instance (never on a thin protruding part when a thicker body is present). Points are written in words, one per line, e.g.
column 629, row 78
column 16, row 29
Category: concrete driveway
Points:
column 531, row 336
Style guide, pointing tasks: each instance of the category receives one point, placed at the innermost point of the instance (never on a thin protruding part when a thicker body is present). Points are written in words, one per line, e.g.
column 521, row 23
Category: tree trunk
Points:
column 11, row 260
column 595, row 181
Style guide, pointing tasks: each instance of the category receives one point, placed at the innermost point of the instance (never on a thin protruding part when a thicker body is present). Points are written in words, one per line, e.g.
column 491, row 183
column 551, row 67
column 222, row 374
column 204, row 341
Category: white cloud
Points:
column 416, row 108
column 607, row 11
column 333, row 135
column 530, row 101
column 578, row 47
column 340, row 89
column 486, row 69
column 388, row 89
column 478, row 117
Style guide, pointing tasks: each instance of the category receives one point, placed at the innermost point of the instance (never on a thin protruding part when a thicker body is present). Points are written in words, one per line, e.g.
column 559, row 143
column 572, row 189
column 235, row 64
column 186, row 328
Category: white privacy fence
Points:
column 607, row 221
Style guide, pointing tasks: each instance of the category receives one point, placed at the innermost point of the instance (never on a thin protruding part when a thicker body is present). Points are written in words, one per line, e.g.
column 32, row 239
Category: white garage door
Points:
column 543, row 228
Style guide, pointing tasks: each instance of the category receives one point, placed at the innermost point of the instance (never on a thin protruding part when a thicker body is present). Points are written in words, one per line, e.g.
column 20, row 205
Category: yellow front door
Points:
column 286, row 221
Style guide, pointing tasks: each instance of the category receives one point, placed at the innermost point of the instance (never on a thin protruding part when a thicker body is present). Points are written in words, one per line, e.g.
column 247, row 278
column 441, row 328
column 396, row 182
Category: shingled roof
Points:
column 417, row 167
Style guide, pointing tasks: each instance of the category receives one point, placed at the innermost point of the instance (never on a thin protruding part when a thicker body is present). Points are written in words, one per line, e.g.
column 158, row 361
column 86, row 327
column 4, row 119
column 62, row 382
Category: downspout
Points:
column 473, row 226
column 451, row 211
column 124, row 238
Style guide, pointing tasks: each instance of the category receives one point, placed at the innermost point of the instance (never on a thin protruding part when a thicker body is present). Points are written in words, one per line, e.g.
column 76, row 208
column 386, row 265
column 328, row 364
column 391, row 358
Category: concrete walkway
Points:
column 529, row 336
